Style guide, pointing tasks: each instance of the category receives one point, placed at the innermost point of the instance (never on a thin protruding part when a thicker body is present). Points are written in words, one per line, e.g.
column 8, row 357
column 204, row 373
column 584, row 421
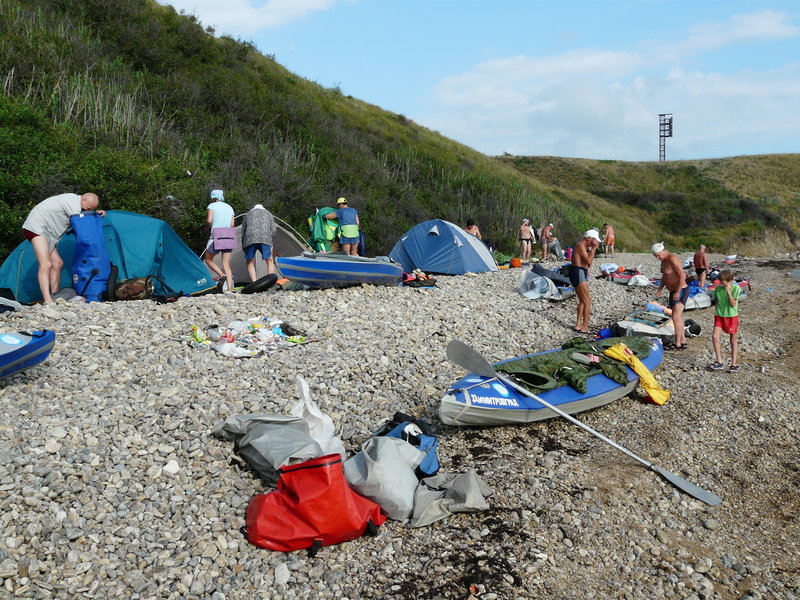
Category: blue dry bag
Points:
column 91, row 265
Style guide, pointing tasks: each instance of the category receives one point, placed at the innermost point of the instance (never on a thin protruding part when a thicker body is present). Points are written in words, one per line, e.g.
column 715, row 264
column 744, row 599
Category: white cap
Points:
column 258, row 206
column 592, row 233
column 656, row 248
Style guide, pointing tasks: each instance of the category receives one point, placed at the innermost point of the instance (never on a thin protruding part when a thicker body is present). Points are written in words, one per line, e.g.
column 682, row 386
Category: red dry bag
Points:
column 312, row 507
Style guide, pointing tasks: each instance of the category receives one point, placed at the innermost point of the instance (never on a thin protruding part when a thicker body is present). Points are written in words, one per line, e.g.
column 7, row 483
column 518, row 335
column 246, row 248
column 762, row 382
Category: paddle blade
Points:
column 688, row 486
column 465, row 356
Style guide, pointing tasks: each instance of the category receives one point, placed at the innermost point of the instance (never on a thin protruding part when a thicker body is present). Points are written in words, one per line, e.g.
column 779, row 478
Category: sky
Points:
column 573, row 78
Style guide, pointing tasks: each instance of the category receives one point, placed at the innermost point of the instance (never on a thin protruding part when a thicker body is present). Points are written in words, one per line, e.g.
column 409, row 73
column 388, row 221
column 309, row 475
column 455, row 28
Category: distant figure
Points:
column 258, row 231
column 349, row 223
column 674, row 279
column 701, row 265
column 582, row 257
column 608, row 238
column 545, row 238
column 526, row 238
column 43, row 227
column 472, row 229
column 219, row 214
column 726, row 318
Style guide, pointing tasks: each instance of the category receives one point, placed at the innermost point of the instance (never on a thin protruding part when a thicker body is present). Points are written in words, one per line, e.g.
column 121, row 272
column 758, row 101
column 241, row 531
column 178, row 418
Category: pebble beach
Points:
column 113, row 486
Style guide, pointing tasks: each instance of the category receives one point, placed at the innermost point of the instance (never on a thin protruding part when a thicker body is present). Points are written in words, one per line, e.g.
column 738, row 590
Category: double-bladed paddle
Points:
column 470, row 359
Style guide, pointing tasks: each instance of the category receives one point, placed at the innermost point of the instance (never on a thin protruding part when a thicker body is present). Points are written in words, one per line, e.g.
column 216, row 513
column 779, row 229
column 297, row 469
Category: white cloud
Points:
column 242, row 17
column 598, row 103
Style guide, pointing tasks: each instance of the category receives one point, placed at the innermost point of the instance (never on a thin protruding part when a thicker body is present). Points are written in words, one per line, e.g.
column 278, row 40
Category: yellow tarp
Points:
column 651, row 387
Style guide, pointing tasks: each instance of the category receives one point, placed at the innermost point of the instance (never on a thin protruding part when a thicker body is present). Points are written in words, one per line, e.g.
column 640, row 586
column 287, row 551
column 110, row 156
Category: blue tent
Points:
column 138, row 245
column 438, row 246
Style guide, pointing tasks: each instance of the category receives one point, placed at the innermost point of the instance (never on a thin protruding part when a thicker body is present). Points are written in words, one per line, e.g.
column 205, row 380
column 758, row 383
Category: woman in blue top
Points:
column 348, row 222
column 220, row 214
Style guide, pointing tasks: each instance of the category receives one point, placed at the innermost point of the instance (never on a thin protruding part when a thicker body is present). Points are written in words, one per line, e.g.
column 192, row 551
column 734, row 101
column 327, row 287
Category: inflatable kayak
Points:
column 478, row 400
column 339, row 270
column 19, row 351
column 647, row 323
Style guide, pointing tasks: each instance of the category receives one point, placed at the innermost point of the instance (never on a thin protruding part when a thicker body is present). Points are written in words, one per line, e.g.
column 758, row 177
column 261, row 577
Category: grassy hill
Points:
column 744, row 203
column 148, row 109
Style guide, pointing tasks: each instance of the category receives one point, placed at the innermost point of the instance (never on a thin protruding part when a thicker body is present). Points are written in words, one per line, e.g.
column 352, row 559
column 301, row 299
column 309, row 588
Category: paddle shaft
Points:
column 461, row 353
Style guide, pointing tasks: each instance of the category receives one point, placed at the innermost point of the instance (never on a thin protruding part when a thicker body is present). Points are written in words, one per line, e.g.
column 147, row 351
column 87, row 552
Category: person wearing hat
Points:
column 219, row 214
column 674, row 279
column 582, row 257
column 349, row 223
column 258, row 230
column 526, row 238
column 545, row 238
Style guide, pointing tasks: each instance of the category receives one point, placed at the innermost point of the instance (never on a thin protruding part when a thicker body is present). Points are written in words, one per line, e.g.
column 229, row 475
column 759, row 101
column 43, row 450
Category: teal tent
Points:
column 138, row 245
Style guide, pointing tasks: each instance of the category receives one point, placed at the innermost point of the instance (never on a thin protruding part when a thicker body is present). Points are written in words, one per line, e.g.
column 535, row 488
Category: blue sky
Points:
column 574, row 78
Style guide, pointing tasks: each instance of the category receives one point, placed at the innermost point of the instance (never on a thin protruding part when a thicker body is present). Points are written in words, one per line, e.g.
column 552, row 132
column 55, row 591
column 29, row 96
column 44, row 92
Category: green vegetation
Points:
column 726, row 204
column 143, row 106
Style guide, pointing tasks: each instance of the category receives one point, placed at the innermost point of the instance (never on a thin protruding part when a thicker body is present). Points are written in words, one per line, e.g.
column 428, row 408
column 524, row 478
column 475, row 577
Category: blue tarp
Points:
column 138, row 245
column 441, row 247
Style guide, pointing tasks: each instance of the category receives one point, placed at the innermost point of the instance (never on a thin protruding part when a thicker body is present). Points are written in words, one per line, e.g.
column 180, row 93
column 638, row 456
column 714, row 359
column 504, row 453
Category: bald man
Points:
column 701, row 265
column 45, row 224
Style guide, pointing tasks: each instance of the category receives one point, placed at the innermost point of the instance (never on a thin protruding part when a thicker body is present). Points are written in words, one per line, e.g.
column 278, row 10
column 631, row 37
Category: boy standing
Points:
column 726, row 318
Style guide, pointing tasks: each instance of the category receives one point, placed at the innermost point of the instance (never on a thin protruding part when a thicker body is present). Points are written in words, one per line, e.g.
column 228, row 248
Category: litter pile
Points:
column 253, row 337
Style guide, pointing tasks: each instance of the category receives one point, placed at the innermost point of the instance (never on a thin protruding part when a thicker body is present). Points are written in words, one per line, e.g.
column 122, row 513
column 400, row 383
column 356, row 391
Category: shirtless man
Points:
column 45, row 224
column 526, row 238
column 608, row 238
column 545, row 238
column 701, row 265
column 674, row 279
column 582, row 257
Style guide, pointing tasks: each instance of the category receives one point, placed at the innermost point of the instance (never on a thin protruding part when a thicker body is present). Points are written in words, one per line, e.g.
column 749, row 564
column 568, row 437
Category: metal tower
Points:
column 664, row 131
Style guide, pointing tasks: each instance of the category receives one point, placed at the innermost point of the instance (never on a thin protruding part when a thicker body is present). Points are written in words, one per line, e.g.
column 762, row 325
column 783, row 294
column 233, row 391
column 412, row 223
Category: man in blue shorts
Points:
column 674, row 279
column 582, row 257
column 349, row 223
column 258, row 231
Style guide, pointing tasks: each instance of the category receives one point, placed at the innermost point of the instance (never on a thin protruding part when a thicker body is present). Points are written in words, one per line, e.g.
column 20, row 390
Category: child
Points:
column 726, row 318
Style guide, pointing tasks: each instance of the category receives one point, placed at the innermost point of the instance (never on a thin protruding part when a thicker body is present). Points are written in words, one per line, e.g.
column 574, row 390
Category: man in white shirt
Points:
column 45, row 224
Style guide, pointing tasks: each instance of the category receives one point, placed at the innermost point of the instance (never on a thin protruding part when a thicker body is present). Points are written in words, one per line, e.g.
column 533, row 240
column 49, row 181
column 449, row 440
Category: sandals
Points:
column 732, row 368
column 675, row 347
column 716, row 366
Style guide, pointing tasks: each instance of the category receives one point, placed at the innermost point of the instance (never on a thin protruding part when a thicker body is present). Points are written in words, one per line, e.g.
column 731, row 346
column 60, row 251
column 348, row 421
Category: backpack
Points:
column 423, row 441
column 139, row 288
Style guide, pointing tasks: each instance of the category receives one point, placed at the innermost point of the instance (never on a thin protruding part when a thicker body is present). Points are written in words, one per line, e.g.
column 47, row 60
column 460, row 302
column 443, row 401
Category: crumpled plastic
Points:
column 253, row 337
column 320, row 425
column 439, row 496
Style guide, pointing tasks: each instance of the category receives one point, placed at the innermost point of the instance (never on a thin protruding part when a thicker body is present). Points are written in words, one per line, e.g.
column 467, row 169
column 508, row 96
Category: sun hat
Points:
column 217, row 195
column 341, row 201
column 592, row 233
column 656, row 248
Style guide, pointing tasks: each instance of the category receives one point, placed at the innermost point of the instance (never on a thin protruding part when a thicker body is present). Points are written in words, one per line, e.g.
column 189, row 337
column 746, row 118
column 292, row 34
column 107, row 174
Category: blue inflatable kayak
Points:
column 478, row 400
column 19, row 351
column 339, row 270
